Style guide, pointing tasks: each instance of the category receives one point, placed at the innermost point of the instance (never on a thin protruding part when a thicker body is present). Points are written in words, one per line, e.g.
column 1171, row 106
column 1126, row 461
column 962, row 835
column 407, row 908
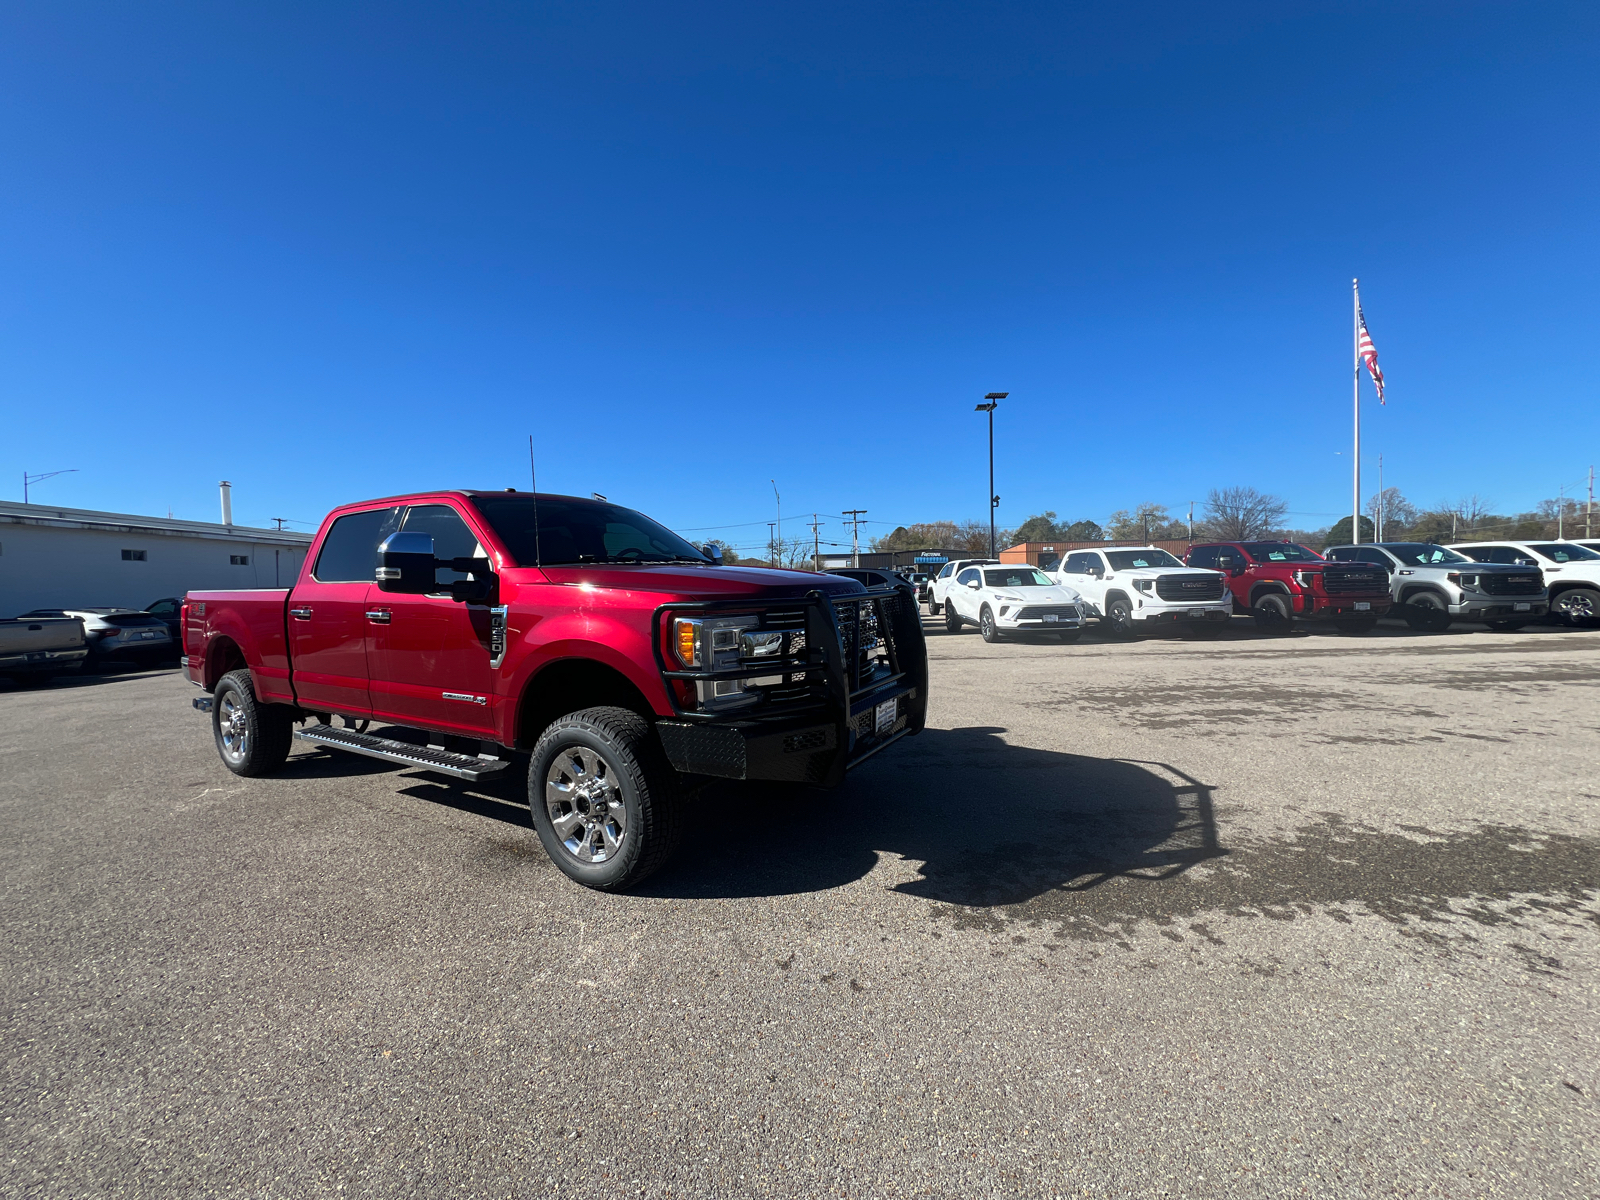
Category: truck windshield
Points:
column 1563, row 552
column 572, row 531
column 1276, row 552
column 1017, row 577
column 1130, row 560
column 1423, row 554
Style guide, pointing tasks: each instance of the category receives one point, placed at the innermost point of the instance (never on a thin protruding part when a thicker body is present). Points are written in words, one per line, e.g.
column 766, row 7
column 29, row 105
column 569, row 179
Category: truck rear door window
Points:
column 350, row 551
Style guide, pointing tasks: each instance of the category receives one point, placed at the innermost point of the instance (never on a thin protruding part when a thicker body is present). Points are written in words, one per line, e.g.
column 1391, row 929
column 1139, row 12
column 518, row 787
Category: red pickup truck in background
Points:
column 1280, row 581
column 623, row 660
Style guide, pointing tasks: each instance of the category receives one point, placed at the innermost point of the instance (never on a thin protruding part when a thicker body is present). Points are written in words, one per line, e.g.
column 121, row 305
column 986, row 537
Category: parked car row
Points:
column 46, row 642
column 1129, row 590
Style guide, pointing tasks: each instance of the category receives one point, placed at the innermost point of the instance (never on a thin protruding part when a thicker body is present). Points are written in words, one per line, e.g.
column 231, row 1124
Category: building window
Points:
column 133, row 556
column 239, row 560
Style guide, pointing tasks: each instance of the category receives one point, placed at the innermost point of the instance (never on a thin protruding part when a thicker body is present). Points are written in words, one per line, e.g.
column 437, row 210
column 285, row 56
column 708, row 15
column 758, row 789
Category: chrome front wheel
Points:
column 605, row 802
column 586, row 806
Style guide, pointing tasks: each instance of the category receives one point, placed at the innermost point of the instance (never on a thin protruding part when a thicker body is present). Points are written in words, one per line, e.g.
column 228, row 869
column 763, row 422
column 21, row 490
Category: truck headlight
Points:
column 1144, row 585
column 686, row 640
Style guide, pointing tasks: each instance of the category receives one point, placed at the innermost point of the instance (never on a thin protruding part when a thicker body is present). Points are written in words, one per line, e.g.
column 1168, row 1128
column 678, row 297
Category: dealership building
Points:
column 75, row 558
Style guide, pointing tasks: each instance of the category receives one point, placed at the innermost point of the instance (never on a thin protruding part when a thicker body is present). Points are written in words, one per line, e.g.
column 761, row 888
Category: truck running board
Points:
column 462, row 766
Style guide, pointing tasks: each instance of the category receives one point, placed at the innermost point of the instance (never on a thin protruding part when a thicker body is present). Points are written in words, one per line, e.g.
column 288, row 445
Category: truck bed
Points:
column 250, row 621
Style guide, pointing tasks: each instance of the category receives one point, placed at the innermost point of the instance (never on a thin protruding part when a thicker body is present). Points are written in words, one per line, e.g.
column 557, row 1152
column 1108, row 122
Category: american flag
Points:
column 1369, row 352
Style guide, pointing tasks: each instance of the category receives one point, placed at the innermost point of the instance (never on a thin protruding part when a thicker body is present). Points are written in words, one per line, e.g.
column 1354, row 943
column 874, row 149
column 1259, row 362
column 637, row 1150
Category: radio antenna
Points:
column 533, row 474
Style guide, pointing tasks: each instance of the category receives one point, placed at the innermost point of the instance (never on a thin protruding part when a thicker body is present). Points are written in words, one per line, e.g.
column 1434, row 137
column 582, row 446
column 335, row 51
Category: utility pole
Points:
column 993, row 399
column 772, row 545
column 816, row 543
column 1191, row 522
column 1588, row 512
column 278, row 521
column 855, row 515
column 779, row 499
column 1561, row 512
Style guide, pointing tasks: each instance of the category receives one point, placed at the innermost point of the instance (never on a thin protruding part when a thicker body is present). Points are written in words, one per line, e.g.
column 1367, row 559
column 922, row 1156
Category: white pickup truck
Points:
column 33, row 649
column 1137, row 589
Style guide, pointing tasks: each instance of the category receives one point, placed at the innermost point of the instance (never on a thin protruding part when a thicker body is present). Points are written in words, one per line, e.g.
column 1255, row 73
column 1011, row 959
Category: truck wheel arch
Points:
column 222, row 656
column 568, row 685
column 1406, row 593
column 1261, row 589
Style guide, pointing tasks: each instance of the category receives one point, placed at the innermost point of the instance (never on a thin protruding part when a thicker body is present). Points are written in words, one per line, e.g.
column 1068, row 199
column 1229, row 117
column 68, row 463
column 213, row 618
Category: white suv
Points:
column 1002, row 598
column 1143, row 587
column 1571, row 572
column 939, row 585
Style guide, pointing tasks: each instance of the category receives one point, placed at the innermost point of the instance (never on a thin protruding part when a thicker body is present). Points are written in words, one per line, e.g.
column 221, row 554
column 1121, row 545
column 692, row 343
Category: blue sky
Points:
column 329, row 252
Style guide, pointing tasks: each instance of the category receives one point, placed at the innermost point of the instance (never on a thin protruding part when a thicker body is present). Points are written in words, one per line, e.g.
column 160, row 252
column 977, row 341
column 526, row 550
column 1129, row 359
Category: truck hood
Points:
column 1157, row 572
column 706, row 582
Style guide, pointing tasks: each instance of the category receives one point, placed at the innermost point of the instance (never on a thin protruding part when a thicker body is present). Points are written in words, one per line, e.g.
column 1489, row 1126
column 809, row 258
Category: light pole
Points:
column 29, row 479
column 994, row 399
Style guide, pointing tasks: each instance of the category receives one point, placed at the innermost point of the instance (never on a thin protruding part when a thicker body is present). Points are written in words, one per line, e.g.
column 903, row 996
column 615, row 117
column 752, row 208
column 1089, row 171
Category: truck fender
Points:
column 582, row 637
column 1113, row 594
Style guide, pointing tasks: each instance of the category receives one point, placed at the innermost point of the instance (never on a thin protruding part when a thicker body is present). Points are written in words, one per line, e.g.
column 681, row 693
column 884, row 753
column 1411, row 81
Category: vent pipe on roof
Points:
column 227, row 501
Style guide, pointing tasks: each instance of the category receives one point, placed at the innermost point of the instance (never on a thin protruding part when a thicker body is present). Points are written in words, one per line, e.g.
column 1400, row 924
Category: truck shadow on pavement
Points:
column 986, row 824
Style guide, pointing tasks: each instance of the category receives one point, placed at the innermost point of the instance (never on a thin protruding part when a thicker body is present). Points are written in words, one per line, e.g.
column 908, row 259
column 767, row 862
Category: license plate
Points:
column 885, row 716
column 1197, row 612
column 152, row 633
column 1052, row 617
column 1521, row 608
column 1362, row 606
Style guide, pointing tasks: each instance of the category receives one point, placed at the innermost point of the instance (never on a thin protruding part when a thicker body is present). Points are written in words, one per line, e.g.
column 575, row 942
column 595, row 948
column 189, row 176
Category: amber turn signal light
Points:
column 686, row 641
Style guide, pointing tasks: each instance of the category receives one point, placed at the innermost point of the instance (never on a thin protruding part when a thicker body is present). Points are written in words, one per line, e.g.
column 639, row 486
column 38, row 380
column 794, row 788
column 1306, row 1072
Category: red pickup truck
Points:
column 473, row 626
column 1280, row 581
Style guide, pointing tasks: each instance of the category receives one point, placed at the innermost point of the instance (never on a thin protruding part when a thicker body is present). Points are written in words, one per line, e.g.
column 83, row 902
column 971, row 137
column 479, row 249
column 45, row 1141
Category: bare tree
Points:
column 1242, row 513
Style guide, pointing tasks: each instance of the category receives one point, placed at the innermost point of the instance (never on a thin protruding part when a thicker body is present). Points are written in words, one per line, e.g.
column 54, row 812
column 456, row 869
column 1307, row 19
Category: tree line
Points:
column 1247, row 514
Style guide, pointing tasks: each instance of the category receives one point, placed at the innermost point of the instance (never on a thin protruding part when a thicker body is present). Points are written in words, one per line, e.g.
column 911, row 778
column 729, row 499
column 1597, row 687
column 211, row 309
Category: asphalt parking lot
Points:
column 1314, row 915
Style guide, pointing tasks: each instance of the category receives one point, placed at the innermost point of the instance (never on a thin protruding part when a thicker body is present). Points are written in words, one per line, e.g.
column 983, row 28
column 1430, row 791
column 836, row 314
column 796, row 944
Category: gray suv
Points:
column 1432, row 586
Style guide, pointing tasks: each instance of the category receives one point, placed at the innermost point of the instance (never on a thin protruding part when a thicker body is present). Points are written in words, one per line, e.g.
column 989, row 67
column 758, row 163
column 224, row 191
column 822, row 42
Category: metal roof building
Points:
column 76, row 558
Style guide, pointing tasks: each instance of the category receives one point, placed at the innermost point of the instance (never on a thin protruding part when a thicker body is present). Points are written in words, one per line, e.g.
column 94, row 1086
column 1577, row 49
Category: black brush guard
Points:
column 814, row 729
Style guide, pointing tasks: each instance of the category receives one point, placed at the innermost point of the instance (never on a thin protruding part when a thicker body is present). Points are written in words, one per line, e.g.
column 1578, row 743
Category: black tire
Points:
column 1357, row 625
column 1506, row 626
column 987, row 627
column 1206, row 630
column 1119, row 617
column 952, row 622
column 1578, row 606
column 1426, row 613
column 253, row 738
column 628, row 773
column 933, row 609
column 1274, row 612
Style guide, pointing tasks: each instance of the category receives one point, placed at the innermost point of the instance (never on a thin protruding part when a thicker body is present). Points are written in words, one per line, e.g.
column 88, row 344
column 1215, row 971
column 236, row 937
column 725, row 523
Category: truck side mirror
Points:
column 714, row 553
column 406, row 564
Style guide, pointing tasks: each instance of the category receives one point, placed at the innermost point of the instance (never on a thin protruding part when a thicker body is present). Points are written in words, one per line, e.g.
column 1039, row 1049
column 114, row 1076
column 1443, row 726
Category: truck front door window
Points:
column 430, row 657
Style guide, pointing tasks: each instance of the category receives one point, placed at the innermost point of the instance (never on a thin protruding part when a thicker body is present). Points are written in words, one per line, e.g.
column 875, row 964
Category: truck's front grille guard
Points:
column 838, row 660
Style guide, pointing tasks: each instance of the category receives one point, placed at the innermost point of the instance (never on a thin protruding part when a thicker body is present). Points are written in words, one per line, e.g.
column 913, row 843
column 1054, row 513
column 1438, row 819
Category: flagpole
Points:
column 1355, row 404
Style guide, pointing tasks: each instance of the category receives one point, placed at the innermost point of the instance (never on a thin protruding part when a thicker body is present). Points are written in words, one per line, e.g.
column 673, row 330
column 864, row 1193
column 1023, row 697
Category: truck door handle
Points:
column 300, row 614
column 378, row 616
